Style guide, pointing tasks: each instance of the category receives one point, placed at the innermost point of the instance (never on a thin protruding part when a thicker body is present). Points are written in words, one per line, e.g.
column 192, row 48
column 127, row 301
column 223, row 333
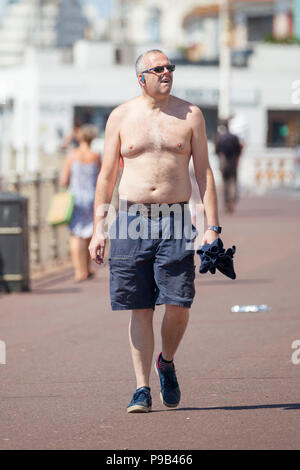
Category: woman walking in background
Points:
column 80, row 175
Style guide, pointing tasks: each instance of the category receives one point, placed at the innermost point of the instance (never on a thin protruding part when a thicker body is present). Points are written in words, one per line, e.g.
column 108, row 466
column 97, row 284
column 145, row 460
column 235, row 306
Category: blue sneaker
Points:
column 141, row 401
column 170, row 391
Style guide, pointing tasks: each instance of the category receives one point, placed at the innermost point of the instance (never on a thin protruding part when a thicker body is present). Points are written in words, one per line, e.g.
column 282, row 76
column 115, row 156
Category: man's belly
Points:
column 158, row 177
column 165, row 192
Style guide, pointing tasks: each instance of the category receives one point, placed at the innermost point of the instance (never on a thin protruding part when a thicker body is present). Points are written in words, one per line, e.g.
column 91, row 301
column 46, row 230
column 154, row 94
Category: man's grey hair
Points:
column 140, row 61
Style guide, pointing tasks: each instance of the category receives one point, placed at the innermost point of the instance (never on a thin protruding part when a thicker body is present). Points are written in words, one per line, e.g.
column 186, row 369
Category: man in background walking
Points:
column 229, row 149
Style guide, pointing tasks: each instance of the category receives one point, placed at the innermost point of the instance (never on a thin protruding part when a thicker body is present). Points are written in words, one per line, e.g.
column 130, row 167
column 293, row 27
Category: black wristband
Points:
column 215, row 228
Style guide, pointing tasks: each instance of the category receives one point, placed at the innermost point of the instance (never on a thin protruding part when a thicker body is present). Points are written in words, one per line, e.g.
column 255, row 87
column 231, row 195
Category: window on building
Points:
column 96, row 115
column 153, row 25
column 194, row 27
column 283, row 128
column 211, row 121
column 259, row 27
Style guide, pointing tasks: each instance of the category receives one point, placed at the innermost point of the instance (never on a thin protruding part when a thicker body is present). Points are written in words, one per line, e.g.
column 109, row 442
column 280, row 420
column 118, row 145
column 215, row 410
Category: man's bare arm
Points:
column 105, row 184
column 204, row 175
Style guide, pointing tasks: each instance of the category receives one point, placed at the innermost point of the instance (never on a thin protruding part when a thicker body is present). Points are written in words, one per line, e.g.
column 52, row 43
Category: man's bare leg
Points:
column 172, row 330
column 141, row 338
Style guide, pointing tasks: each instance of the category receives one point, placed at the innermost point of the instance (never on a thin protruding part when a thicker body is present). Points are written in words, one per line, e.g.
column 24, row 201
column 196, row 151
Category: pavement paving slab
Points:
column 68, row 375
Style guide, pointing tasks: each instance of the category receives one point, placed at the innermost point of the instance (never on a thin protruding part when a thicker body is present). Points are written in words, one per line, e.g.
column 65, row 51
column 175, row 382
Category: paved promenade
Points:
column 68, row 376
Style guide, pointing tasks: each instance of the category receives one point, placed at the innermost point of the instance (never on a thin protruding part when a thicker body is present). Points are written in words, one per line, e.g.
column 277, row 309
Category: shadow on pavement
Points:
column 53, row 279
column 284, row 406
column 228, row 281
column 258, row 212
column 56, row 291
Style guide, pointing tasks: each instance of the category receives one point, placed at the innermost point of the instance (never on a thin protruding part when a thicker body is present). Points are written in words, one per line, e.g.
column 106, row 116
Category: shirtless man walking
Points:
column 156, row 134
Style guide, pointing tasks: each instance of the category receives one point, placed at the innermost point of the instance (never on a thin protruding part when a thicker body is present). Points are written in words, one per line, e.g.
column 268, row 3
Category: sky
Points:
column 2, row 3
column 105, row 6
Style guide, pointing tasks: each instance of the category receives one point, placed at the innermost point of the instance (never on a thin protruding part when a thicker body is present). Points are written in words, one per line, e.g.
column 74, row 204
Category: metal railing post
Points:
column 36, row 224
column 54, row 230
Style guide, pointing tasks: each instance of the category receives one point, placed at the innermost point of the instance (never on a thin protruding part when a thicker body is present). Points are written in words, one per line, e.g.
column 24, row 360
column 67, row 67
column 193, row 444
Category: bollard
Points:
column 14, row 245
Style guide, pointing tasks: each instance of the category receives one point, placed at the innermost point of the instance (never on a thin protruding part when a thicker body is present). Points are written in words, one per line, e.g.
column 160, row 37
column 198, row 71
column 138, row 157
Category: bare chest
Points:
column 155, row 135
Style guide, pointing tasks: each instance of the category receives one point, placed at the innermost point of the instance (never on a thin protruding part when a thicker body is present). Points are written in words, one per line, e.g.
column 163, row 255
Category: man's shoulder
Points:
column 120, row 112
column 190, row 112
column 123, row 108
column 191, row 109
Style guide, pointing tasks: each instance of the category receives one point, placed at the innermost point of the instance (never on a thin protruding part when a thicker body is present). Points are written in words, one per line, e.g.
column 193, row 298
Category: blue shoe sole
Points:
column 139, row 409
column 169, row 405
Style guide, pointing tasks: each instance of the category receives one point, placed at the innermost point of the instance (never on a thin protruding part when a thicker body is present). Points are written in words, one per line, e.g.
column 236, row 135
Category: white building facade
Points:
column 44, row 98
column 40, row 23
column 190, row 28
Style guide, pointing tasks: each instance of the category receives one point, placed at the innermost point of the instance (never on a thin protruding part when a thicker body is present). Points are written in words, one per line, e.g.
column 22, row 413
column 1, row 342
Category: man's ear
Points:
column 142, row 79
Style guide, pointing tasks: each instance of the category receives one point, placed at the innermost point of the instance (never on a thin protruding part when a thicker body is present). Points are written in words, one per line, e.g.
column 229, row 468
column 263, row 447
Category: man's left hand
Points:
column 209, row 237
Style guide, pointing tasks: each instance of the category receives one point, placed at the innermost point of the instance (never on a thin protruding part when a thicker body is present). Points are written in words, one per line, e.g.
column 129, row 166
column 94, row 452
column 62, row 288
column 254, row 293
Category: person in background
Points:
column 228, row 149
column 79, row 174
column 73, row 139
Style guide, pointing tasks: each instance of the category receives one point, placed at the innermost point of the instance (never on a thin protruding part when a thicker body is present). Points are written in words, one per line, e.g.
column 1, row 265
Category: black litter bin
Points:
column 14, row 243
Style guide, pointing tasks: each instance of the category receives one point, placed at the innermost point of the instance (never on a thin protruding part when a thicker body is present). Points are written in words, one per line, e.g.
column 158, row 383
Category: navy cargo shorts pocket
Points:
column 176, row 281
column 185, row 281
column 122, row 280
column 131, row 283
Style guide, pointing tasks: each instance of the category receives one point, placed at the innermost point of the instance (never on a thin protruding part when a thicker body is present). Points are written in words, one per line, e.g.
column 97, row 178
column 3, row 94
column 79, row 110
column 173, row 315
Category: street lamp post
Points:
column 225, row 60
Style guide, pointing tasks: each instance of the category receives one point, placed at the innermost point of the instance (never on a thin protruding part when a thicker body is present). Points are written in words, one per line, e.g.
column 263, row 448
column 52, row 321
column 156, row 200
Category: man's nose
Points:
column 166, row 72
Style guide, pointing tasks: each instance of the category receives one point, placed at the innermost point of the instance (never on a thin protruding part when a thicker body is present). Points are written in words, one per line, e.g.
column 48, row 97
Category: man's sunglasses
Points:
column 161, row 68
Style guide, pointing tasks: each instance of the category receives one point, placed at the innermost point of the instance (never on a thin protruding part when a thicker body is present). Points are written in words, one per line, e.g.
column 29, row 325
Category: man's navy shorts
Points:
column 151, row 262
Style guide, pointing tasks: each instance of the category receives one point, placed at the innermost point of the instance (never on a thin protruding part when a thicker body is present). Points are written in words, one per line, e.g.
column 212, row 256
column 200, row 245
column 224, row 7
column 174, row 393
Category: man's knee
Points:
column 177, row 308
column 177, row 311
column 143, row 315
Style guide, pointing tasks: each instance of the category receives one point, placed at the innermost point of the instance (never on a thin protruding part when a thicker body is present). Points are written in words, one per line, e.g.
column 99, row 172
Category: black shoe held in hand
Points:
column 213, row 256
